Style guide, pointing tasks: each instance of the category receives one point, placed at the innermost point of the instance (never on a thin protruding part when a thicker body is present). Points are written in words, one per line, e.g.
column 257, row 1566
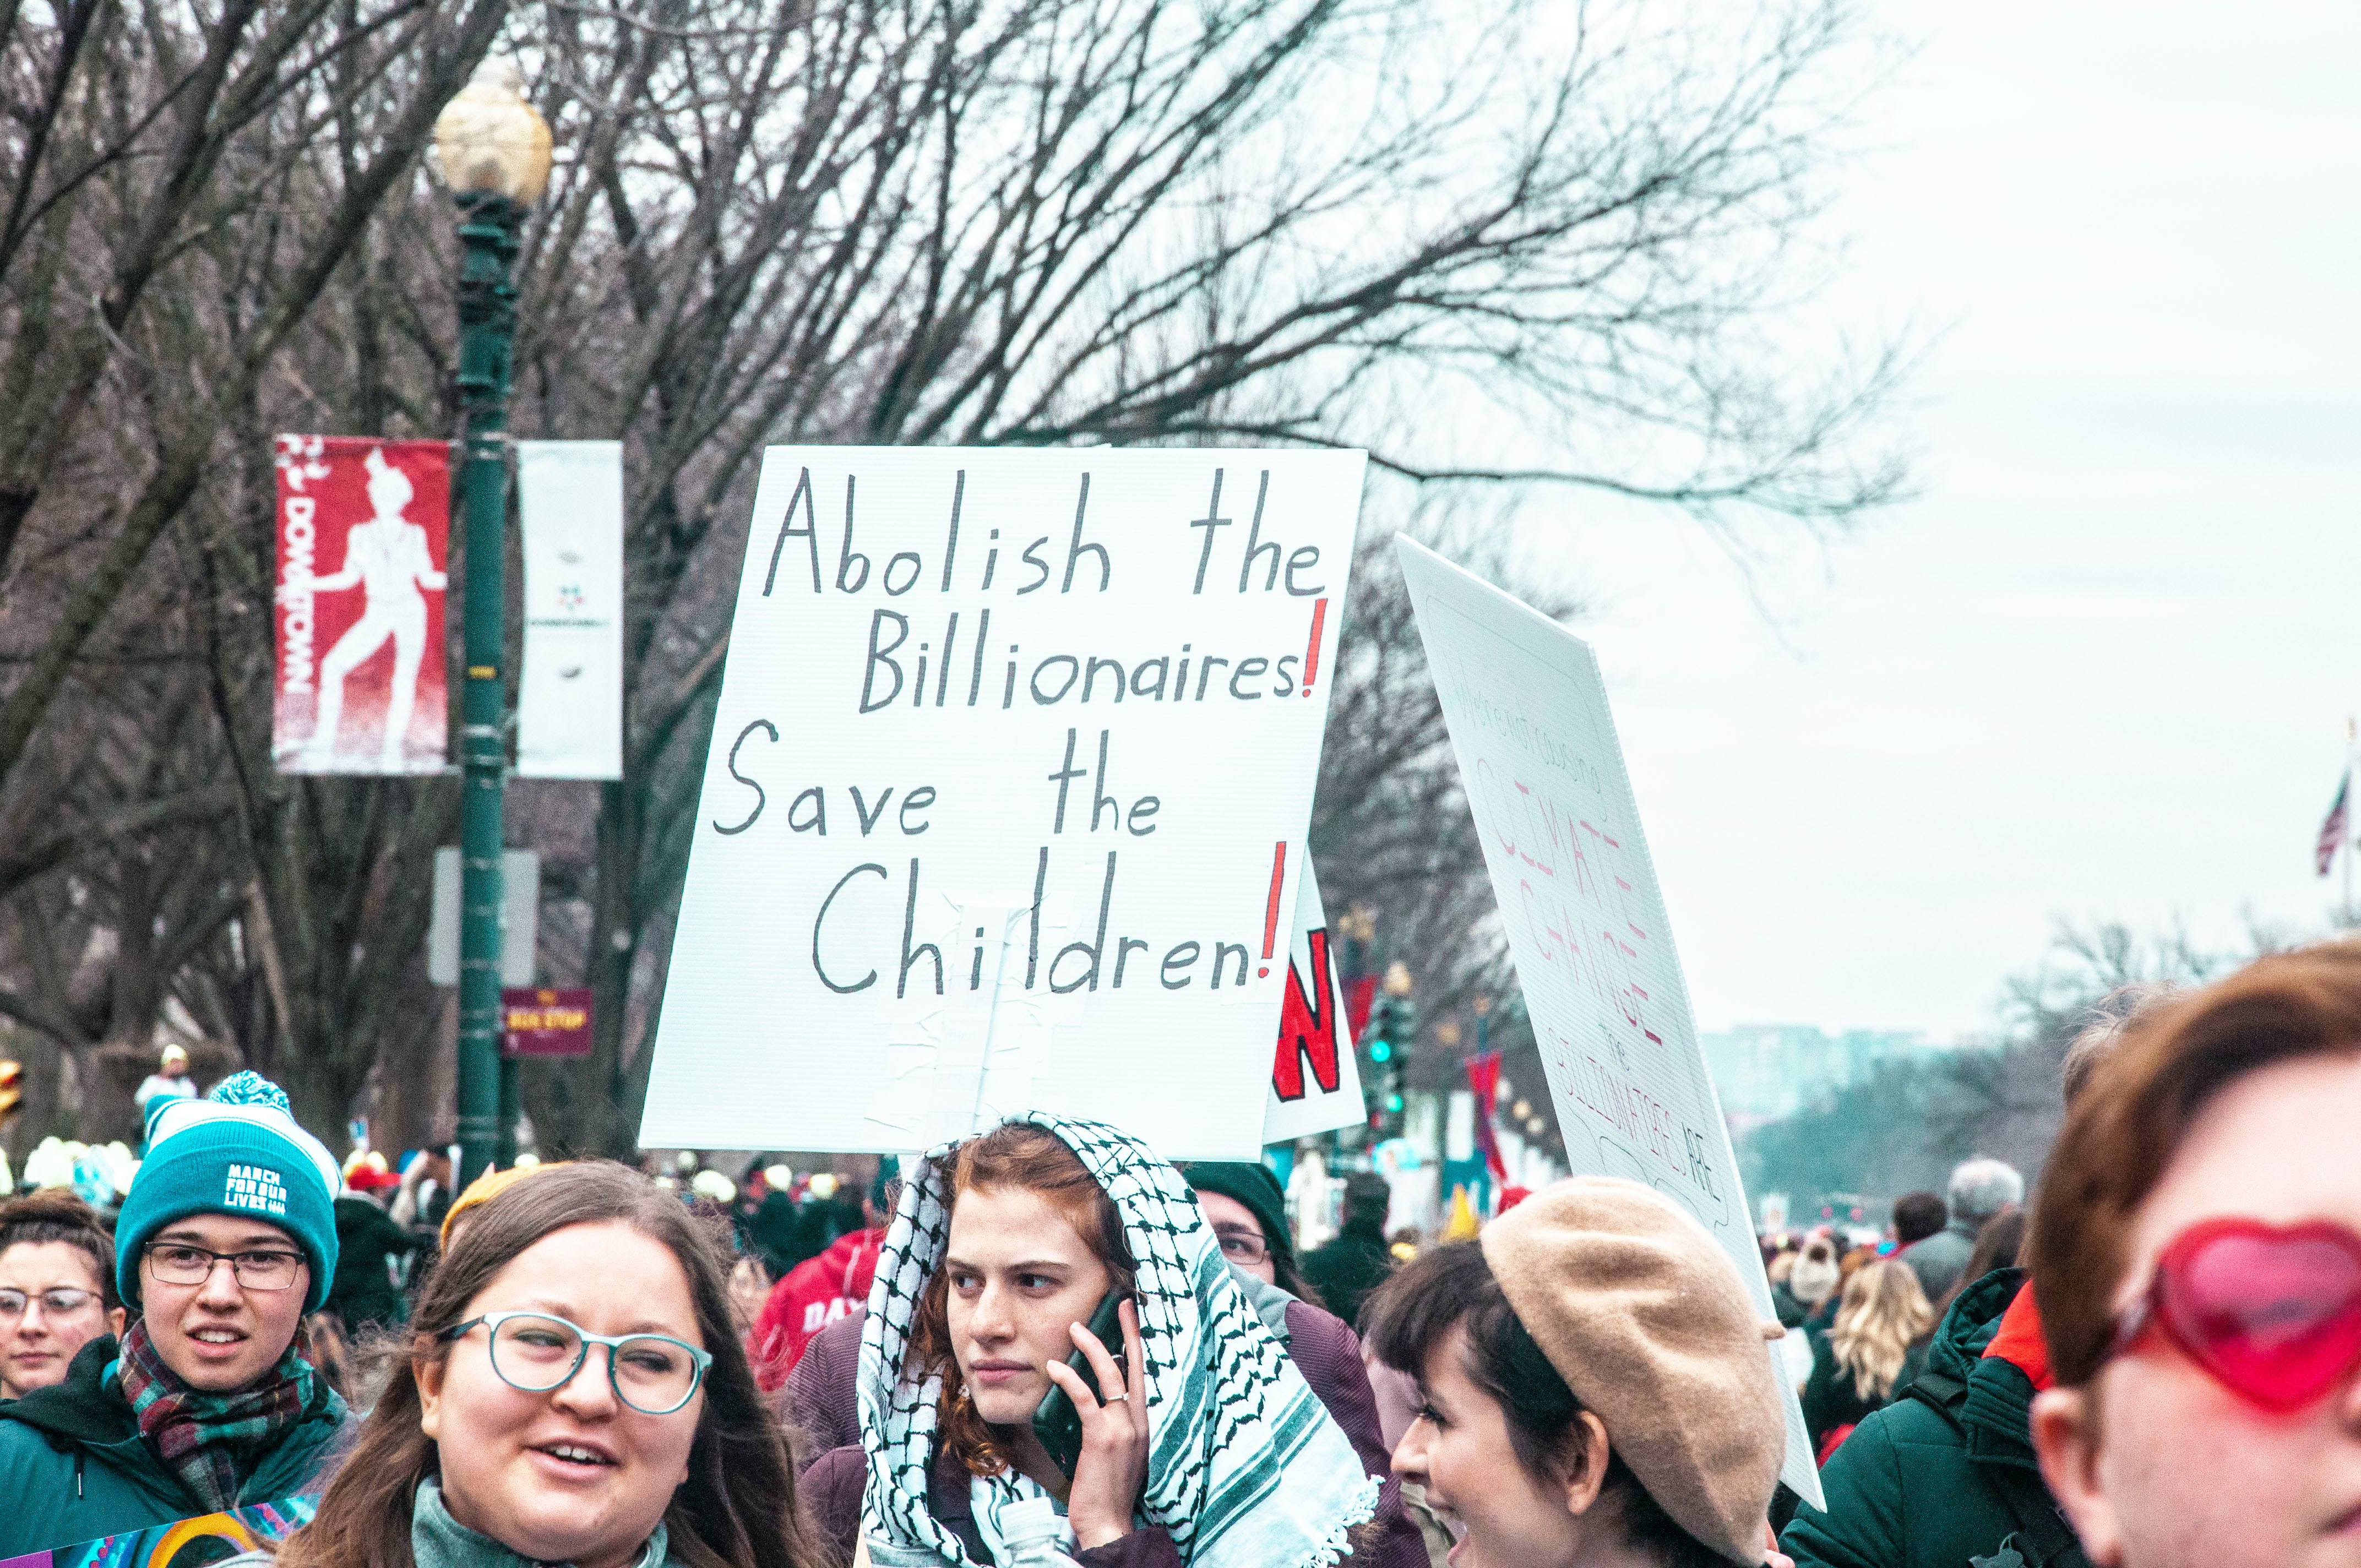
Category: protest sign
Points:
column 1577, row 893
column 358, row 683
column 180, row 1543
column 1006, row 798
column 570, row 686
column 1315, row 1080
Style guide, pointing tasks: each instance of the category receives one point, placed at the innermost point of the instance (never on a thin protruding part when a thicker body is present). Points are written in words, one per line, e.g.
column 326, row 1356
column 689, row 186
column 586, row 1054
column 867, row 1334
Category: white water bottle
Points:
column 1035, row 1535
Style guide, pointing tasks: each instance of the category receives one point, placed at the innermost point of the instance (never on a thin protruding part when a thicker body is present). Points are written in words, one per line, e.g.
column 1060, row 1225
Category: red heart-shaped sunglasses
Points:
column 2272, row 1312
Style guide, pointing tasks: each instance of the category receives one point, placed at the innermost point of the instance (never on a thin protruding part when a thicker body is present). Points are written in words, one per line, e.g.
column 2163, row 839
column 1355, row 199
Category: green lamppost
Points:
column 494, row 149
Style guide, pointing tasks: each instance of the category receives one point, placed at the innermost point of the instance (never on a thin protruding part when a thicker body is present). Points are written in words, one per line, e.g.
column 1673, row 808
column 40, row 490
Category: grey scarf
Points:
column 438, row 1540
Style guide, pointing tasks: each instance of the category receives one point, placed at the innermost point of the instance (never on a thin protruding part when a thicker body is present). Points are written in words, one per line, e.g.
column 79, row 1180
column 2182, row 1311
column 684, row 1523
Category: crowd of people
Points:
column 1044, row 1344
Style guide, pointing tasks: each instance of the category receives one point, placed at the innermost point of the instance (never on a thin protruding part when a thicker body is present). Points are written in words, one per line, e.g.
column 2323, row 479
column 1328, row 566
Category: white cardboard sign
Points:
column 1315, row 1080
column 1006, row 798
column 1577, row 893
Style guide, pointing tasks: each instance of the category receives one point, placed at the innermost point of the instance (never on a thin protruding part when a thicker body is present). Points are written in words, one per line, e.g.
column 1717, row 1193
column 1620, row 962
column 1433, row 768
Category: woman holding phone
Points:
column 1195, row 1441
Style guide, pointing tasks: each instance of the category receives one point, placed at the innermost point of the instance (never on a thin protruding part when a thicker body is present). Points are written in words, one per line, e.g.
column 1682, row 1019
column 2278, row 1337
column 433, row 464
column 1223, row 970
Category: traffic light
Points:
column 1392, row 1031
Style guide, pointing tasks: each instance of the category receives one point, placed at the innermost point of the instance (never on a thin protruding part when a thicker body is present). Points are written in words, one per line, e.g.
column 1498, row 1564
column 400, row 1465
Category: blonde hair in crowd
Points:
column 1883, row 1311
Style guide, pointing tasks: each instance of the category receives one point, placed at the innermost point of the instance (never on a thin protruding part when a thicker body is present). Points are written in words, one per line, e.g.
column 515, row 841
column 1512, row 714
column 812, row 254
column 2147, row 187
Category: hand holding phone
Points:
column 1057, row 1422
column 1109, row 1463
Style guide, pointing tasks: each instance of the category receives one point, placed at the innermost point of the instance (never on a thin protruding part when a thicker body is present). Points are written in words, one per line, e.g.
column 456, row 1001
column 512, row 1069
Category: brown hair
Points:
column 1032, row 1159
column 736, row 1508
column 1415, row 1308
column 2101, row 1031
column 2139, row 1104
column 56, row 1215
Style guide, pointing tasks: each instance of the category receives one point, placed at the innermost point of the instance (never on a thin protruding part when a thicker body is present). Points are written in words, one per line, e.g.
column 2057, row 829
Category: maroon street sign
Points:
column 541, row 1023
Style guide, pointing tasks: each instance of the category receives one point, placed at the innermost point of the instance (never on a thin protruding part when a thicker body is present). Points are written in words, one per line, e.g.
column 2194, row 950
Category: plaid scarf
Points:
column 1245, row 1468
column 206, row 1438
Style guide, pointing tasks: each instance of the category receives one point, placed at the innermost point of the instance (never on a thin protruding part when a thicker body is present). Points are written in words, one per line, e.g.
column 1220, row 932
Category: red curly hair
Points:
column 1032, row 1159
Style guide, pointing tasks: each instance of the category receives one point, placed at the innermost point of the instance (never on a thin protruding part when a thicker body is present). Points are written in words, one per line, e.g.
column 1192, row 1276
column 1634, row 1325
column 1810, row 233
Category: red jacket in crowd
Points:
column 815, row 1294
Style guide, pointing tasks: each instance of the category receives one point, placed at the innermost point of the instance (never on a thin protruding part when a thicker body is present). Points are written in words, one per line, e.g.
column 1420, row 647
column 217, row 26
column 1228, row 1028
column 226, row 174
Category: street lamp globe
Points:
column 490, row 139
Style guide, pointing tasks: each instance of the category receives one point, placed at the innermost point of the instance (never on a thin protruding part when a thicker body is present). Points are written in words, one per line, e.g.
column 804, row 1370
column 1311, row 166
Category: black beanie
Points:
column 1255, row 1186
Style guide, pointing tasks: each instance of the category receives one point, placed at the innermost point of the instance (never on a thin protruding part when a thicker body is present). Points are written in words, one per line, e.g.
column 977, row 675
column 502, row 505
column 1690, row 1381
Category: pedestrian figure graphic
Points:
column 388, row 557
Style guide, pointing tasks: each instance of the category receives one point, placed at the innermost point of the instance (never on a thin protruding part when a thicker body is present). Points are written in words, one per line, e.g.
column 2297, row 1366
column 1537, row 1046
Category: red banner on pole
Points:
column 363, row 531
column 544, row 1023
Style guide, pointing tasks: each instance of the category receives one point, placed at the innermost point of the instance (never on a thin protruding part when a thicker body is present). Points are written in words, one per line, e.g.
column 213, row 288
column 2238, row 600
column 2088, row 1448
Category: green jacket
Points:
column 1945, row 1476
column 74, row 1466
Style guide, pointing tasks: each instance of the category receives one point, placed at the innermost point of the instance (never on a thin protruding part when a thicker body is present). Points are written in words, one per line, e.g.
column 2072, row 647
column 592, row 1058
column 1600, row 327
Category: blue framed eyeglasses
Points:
column 536, row 1351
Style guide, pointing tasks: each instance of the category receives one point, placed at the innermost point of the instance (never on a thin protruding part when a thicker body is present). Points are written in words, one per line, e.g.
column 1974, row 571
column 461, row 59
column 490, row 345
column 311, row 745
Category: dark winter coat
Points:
column 1945, row 1476
column 1832, row 1400
column 371, row 1250
column 819, row 1404
column 74, row 1466
column 832, row 1489
column 1346, row 1269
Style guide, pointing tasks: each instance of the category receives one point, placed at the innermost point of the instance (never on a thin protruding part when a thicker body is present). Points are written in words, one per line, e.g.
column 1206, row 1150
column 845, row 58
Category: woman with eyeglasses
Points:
column 2195, row 1250
column 207, row 1400
column 573, row 1392
column 57, row 1288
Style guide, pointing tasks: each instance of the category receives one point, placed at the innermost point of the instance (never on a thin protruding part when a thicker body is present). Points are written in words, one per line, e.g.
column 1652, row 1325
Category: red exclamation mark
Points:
column 1312, row 657
column 1278, row 871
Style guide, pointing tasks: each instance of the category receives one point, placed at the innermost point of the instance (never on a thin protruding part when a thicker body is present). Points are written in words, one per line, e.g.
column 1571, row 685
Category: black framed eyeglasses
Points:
column 536, row 1351
column 178, row 1263
column 1243, row 1245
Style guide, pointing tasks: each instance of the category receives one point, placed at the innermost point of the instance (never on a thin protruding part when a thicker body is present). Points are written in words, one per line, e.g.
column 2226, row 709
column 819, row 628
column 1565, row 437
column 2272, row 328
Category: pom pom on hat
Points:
column 238, row 1151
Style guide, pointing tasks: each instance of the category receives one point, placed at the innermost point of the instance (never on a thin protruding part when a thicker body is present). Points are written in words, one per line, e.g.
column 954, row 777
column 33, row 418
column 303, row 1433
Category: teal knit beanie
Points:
column 238, row 1151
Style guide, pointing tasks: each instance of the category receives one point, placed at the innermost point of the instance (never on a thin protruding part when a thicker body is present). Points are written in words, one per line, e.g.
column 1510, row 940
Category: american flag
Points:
column 2331, row 832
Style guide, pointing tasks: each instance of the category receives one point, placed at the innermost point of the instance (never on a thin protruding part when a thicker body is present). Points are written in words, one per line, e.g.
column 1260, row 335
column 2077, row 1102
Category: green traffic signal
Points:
column 1381, row 1050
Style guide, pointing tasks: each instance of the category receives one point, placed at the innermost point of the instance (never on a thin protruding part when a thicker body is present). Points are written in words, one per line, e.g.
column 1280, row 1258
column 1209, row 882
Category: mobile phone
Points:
column 1056, row 1422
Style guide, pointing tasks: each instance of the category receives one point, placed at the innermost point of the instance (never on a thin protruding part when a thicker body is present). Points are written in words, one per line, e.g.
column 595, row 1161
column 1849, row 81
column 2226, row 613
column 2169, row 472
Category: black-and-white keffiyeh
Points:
column 1245, row 1468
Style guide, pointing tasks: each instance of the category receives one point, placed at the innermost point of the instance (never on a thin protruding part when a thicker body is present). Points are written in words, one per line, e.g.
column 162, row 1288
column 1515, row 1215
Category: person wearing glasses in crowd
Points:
column 1248, row 1208
column 227, row 1238
column 2195, row 1250
column 573, row 1392
column 57, row 1288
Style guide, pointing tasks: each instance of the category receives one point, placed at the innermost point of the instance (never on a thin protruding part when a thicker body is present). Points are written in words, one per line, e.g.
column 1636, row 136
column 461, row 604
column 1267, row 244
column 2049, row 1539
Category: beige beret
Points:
column 1645, row 1317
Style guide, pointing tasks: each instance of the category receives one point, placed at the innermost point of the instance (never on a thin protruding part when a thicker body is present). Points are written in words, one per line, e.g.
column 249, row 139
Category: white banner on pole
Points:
column 1315, row 1080
column 570, row 693
column 519, row 917
column 1006, row 798
column 1577, row 893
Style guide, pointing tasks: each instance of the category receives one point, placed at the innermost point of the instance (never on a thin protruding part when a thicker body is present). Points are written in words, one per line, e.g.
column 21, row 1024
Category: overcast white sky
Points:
column 2101, row 669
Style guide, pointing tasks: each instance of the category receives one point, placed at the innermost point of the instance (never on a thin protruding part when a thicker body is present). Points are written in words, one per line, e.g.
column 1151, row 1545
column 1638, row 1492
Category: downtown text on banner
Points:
column 1009, row 780
column 1544, row 771
column 363, row 534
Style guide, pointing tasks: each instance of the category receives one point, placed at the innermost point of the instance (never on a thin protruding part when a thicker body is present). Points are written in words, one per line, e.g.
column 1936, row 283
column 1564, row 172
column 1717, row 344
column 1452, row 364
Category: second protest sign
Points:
column 1006, row 798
